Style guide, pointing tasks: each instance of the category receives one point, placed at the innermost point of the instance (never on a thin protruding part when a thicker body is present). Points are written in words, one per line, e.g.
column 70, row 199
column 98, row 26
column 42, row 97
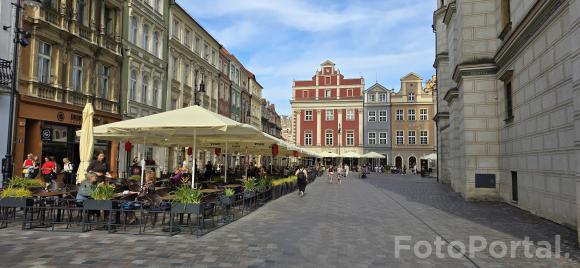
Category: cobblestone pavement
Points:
column 348, row 225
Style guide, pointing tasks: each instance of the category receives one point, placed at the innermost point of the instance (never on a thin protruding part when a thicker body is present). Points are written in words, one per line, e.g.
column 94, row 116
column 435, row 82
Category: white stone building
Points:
column 508, row 102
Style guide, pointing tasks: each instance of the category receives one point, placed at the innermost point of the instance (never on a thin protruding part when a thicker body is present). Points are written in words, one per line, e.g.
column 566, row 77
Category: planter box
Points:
column 91, row 204
column 227, row 200
column 249, row 195
column 187, row 208
column 16, row 202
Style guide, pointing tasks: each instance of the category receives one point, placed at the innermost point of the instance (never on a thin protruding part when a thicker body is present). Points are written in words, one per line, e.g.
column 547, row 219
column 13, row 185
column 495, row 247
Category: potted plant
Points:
column 187, row 200
column 228, row 197
column 102, row 197
column 15, row 197
column 31, row 184
column 249, row 187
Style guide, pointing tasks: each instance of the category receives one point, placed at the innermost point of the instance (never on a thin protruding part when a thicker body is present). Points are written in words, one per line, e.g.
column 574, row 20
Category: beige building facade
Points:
column 412, row 123
column 508, row 80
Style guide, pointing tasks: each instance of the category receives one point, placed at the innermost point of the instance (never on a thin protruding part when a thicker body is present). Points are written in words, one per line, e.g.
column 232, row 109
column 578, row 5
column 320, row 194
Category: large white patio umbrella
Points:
column 186, row 126
column 86, row 144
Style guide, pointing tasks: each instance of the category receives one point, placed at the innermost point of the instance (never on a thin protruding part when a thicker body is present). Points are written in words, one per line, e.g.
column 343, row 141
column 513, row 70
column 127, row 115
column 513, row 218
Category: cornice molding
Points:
column 474, row 69
column 451, row 8
column 441, row 115
column 537, row 18
column 451, row 95
column 440, row 57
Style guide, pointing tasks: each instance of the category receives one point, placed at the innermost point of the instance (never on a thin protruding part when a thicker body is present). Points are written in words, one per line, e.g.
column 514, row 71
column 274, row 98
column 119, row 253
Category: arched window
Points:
column 155, row 45
column 155, row 92
column 133, row 86
column 145, row 42
column 145, row 89
column 133, row 34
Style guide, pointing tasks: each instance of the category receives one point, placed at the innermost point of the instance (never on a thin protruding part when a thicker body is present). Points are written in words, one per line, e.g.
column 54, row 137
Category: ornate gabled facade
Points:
column 256, row 100
column 74, row 57
column 328, row 111
column 225, row 84
column 506, row 103
column 377, row 121
column 412, row 130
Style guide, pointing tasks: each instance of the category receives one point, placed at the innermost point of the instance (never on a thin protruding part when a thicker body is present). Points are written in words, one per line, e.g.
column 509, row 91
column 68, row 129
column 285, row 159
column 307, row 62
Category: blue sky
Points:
column 285, row 40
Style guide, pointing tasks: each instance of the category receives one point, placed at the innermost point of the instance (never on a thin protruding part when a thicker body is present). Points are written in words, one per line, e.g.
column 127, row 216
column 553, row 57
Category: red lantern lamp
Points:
column 128, row 146
column 217, row 151
column 189, row 151
column 295, row 153
column 275, row 150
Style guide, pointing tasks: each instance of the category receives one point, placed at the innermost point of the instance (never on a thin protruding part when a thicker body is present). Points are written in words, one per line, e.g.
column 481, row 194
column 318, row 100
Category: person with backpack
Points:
column 302, row 176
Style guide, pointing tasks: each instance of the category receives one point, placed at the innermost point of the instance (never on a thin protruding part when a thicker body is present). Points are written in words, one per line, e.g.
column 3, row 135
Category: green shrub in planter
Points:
column 249, row 185
column 103, row 191
column 15, row 197
column 229, row 192
column 18, row 182
column 187, row 200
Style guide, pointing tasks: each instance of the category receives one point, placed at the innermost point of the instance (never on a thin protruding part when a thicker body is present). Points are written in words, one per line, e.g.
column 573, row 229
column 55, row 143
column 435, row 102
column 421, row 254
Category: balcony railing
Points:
column 106, row 105
column 76, row 98
column 46, row 92
column 85, row 33
column 51, row 16
column 55, row 94
column 5, row 73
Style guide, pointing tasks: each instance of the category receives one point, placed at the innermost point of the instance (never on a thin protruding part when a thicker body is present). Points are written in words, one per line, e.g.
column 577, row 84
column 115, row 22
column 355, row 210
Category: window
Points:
column 145, row 42
column 412, row 137
column 155, row 100
column 305, row 94
column 350, row 137
column 175, row 29
column 327, row 80
column 411, row 97
column 328, row 93
column 145, row 89
column 307, row 138
column 175, row 64
column 133, row 35
column 44, row 57
column 158, row 5
column 307, row 115
column 424, row 137
column 329, row 137
column 329, row 115
column 372, row 97
column 509, row 107
column 372, row 116
column 372, row 138
column 383, row 97
column 81, row 11
column 77, row 75
column 104, row 89
column 212, row 60
column 399, row 115
column 197, row 44
column 382, row 116
column 155, row 45
column 206, row 52
column 186, row 74
column 109, row 21
column 423, row 114
column 383, row 138
column 173, row 104
column 187, row 38
column 133, row 88
column 349, row 92
column 349, row 115
column 400, row 137
column 411, row 114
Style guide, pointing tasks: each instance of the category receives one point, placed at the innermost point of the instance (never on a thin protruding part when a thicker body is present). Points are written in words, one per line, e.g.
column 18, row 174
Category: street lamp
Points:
column 195, row 90
column 7, row 161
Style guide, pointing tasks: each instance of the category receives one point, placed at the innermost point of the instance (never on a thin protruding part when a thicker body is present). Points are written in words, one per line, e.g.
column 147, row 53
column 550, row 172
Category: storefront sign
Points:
column 60, row 116
column 46, row 134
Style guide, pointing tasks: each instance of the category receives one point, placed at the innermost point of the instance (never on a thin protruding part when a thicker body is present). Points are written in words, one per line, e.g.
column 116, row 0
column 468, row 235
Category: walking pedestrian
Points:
column 28, row 166
column 330, row 173
column 67, row 169
column 346, row 170
column 302, row 176
column 49, row 173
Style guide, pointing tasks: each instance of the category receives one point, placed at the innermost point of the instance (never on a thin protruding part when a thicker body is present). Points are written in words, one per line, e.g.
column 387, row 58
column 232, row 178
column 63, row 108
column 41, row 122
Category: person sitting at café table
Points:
column 85, row 190
column 100, row 168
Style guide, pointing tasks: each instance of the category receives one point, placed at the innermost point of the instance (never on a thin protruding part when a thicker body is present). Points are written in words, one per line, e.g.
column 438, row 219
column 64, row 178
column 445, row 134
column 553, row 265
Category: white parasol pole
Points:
column 194, row 156
column 143, row 161
column 247, row 162
column 226, row 164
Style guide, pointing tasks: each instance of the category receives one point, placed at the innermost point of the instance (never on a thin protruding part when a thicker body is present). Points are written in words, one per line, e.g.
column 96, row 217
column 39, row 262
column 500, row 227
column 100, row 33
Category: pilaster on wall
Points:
column 479, row 126
column 575, row 48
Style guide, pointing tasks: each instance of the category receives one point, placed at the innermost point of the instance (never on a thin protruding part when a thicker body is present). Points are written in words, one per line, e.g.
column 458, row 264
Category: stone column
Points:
column 361, row 120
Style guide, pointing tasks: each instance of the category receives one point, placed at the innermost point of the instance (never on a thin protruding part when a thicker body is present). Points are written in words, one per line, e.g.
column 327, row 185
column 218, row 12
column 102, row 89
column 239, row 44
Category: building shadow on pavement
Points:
column 498, row 216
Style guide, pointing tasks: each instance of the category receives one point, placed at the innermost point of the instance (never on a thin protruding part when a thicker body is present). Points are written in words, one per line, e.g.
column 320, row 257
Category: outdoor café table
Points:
column 232, row 185
column 167, row 198
column 43, row 207
column 210, row 191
